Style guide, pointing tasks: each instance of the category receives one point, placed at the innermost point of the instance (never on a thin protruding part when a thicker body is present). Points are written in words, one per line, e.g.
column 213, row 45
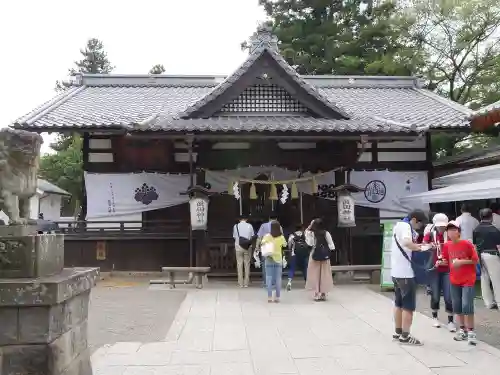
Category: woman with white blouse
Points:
column 319, row 273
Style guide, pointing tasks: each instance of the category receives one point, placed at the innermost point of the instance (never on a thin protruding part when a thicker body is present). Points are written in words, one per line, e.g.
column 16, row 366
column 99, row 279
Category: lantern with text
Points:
column 345, row 207
column 198, row 207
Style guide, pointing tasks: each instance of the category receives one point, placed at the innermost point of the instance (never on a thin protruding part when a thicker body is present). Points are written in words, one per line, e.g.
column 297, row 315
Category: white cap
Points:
column 440, row 220
column 453, row 224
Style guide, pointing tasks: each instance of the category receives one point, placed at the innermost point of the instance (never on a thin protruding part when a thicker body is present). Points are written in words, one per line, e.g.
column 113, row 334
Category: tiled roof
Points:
column 97, row 106
column 362, row 103
column 265, row 43
column 485, row 110
column 50, row 188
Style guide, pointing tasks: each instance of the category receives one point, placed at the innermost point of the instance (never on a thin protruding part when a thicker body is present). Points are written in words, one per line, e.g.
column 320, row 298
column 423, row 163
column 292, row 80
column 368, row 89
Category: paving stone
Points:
column 348, row 335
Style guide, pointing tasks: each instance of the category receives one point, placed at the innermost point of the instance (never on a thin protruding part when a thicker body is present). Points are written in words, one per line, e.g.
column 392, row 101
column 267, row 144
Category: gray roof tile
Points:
column 166, row 102
column 123, row 106
column 274, row 124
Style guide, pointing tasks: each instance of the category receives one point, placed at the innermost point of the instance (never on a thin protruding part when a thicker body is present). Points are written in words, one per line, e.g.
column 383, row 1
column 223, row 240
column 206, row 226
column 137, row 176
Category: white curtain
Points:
column 115, row 194
column 385, row 190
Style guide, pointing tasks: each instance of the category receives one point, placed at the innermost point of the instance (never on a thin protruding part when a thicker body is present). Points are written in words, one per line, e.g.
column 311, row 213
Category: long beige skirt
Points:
column 319, row 276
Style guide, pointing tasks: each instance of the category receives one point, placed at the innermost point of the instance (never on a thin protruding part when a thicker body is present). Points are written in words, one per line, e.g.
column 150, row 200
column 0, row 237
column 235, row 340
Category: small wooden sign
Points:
column 101, row 250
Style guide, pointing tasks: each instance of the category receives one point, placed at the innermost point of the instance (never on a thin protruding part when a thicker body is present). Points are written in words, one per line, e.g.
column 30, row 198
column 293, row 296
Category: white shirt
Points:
column 496, row 220
column 467, row 224
column 311, row 239
column 400, row 266
column 245, row 229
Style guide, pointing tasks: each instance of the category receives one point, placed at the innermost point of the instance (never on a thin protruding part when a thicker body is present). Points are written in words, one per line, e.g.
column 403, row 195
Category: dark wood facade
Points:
column 153, row 247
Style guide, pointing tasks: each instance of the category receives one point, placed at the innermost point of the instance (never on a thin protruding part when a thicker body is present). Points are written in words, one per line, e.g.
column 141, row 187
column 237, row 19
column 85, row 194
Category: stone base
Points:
column 43, row 328
column 34, row 255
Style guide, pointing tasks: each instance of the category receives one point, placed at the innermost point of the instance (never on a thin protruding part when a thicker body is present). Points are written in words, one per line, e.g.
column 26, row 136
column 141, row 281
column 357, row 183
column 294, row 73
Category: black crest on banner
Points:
column 145, row 194
column 375, row 191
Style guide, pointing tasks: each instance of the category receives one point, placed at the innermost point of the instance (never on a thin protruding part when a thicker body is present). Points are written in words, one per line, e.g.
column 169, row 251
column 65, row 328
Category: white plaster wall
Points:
column 50, row 206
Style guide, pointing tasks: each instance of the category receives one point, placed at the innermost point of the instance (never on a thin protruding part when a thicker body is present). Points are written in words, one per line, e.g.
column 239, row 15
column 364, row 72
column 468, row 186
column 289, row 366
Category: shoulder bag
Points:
column 245, row 243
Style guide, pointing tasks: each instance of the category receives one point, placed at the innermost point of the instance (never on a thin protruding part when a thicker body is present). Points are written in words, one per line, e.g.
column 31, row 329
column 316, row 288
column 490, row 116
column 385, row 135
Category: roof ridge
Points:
column 48, row 106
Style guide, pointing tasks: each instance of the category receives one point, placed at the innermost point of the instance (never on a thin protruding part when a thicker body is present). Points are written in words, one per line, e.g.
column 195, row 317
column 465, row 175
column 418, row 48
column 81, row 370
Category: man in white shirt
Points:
column 495, row 208
column 405, row 287
column 243, row 234
column 467, row 223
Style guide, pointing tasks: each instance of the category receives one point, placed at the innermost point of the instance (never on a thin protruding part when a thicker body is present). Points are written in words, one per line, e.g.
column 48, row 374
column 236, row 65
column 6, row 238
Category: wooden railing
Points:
column 111, row 228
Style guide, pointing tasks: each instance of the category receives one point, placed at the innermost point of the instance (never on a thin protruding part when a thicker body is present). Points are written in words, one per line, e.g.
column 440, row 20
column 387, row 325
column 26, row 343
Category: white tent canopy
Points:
column 489, row 189
column 468, row 176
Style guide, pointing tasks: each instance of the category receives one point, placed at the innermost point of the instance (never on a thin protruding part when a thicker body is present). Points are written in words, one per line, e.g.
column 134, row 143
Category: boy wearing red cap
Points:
column 462, row 258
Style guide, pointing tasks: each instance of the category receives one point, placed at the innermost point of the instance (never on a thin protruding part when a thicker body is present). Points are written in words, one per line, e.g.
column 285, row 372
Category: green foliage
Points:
column 157, row 69
column 460, row 44
column 343, row 37
column 94, row 60
column 65, row 170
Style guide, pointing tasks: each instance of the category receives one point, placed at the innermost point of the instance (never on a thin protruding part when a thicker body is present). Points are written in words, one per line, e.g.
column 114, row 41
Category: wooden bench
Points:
column 362, row 272
column 196, row 275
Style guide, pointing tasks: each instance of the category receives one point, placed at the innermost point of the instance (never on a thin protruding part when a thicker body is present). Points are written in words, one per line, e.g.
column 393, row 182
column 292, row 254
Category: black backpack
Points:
column 321, row 251
column 300, row 246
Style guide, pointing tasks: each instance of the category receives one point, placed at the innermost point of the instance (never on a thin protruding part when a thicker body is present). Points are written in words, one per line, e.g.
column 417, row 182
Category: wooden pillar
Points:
column 189, row 141
column 85, row 166
column 344, row 246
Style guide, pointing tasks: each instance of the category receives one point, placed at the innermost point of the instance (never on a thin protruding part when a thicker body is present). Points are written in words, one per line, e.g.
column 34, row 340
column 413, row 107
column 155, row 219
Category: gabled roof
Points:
column 357, row 104
column 264, row 59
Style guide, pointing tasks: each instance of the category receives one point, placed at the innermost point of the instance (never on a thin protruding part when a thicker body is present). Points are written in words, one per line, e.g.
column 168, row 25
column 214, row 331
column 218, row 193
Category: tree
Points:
column 460, row 43
column 157, row 69
column 343, row 37
column 94, row 61
column 64, row 169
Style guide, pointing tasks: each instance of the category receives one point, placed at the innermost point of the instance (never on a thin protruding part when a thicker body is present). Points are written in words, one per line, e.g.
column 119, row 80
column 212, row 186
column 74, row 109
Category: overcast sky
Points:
column 40, row 40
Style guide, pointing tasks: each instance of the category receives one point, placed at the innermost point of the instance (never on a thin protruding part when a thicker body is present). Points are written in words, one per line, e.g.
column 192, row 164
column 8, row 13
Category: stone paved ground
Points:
column 226, row 330
column 125, row 310
column 487, row 321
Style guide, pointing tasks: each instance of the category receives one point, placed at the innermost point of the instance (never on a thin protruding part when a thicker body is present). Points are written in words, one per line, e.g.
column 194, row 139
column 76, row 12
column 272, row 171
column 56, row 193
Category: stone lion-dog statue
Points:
column 19, row 163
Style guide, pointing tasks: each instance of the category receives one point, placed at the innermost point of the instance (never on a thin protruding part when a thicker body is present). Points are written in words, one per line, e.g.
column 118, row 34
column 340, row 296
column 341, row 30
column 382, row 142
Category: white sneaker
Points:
column 436, row 323
column 452, row 327
column 289, row 285
column 461, row 335
column 471, row 338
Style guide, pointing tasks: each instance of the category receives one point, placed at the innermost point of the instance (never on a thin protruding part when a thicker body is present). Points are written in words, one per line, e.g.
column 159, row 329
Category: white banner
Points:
column 384, row 189
column 219, row 180
column 112, row 194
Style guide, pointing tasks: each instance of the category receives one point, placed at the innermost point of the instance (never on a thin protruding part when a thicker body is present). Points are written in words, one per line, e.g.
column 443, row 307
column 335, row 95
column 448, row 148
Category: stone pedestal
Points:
column 44, row 310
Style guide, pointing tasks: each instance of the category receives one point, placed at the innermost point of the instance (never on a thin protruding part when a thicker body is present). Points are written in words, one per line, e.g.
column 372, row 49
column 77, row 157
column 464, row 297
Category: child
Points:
column 300, row 251
column 462, row 258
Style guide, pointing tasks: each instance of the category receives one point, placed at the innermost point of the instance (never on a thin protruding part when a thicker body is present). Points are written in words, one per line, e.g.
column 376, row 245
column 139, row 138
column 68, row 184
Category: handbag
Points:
column 267, row 249
column 245, row 243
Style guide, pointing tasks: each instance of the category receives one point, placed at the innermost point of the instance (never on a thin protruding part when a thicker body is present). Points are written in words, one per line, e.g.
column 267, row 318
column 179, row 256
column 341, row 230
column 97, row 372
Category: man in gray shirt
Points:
column 243, row 235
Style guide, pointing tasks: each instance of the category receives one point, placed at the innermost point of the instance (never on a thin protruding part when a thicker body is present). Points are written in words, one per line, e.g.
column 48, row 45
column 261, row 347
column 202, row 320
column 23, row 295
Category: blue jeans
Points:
column 463, row 299
column 298, row 261
column 440, row 282
column 273, row 277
